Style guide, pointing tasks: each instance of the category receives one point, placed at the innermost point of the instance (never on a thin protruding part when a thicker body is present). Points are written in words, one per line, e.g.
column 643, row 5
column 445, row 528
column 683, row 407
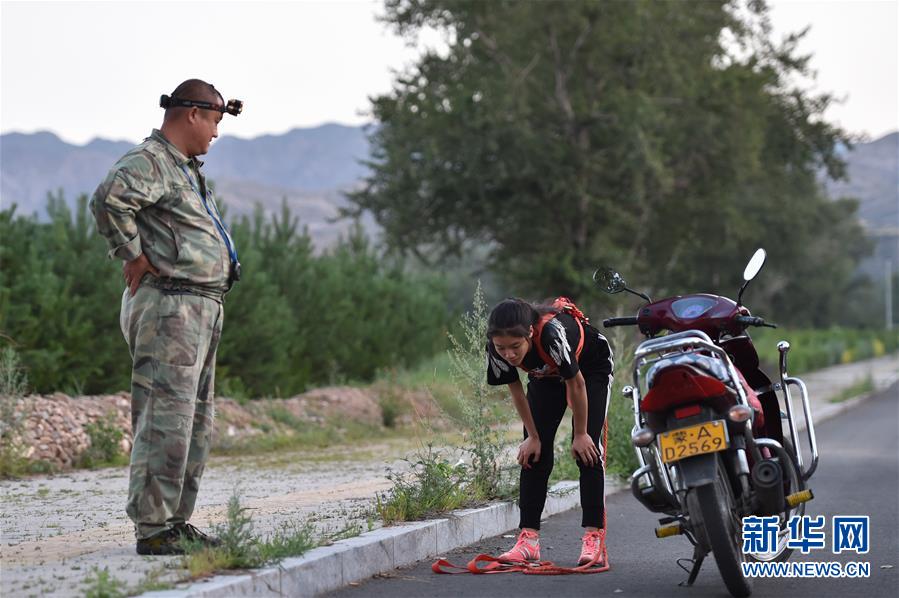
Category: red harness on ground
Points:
column 495, row 565
column 485, row 563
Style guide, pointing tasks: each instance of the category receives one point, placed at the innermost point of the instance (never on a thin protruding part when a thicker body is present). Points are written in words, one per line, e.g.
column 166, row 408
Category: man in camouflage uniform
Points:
column 159, row 217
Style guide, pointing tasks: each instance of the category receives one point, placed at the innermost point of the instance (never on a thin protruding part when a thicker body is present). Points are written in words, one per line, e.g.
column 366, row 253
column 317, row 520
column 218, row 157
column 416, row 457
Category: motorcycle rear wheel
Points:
column 723, row 534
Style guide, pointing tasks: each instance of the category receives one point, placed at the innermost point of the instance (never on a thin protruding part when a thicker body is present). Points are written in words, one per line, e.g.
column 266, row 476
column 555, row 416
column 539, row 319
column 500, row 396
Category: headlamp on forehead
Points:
column 233, row 107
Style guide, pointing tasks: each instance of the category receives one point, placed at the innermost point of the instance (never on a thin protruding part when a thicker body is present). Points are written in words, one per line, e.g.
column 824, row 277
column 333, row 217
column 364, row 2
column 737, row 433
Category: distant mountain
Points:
column 320, row 159
column 873, row 179
column 33, row 164
column 309, row 167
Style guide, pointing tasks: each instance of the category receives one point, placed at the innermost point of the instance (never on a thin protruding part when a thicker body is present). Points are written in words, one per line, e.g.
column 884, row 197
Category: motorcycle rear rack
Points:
column 689, row 341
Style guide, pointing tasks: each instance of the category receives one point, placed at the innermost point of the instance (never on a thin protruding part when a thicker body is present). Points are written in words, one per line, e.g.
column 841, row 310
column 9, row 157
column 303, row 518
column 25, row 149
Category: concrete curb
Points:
column 331, row 567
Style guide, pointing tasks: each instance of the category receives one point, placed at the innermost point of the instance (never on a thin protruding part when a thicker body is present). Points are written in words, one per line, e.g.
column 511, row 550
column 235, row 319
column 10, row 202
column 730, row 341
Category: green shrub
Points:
column 815, row 349
column 297, row 319
column 101, row 584
column 105, row 448
column 392, row 407
column 433, row 486
column 240, row 548
column 13, row 385
column 483, row 410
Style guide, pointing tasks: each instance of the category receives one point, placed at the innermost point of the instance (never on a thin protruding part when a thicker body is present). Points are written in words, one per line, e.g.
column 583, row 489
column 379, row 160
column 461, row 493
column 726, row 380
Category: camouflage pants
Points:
column 173, row 340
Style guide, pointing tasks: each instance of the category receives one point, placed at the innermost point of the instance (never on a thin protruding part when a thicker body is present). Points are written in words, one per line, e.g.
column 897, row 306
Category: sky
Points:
column 97, row 69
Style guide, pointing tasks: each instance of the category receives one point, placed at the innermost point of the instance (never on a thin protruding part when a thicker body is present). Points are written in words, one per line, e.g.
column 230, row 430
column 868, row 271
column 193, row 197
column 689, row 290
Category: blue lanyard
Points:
column 232, row 251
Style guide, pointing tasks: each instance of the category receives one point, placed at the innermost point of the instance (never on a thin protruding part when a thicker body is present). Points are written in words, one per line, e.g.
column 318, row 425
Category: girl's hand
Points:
column 583, row 448
column 527, row 449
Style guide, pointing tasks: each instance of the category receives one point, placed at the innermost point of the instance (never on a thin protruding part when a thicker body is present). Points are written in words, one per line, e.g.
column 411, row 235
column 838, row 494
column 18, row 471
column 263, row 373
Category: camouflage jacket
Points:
column 150, row 203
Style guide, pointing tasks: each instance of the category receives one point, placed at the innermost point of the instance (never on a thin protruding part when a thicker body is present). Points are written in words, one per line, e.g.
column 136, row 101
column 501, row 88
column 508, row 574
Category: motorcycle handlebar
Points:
column 754, row 321
column 628, row 321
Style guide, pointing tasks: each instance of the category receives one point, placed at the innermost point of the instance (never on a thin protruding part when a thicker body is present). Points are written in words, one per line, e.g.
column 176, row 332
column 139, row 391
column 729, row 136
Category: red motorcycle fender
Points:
column 699, row 470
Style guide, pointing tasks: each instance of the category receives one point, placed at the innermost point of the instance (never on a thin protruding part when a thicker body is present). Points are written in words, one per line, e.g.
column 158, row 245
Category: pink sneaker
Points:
column 594, row 548
column 527, row 548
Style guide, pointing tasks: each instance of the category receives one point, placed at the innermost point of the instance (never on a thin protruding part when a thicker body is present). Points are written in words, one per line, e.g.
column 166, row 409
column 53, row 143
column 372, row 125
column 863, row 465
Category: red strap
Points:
column 495, row 565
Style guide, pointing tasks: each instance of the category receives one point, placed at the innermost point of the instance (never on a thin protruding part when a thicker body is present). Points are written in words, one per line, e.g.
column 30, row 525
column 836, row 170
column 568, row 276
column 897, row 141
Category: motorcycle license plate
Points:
column 693, row 440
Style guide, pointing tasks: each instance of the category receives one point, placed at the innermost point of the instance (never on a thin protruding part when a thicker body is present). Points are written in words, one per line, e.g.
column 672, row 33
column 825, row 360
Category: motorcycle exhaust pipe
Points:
column 768, row 481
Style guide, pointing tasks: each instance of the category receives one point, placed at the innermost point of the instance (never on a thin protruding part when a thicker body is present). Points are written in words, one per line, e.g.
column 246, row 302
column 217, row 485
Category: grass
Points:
column 860, row 387
column 564, row 465
column 621, row 460
column 105, row 449
column 101, row 584
column 433, row 375
column 815, row 349
column 152, row 582
column 284, row 417
column 811, row 349
column 311, row 436
column 13, row 386
column 434, row 486
column 241, row 549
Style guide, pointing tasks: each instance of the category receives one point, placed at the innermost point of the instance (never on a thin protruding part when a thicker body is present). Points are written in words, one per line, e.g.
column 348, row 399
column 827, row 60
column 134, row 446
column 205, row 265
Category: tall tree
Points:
column 662, row 137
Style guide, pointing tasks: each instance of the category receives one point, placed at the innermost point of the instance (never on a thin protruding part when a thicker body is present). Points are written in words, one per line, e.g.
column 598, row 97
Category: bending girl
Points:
column 569, row 363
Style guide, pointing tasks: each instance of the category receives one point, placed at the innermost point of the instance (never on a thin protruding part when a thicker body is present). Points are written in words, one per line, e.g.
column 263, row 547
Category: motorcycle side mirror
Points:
column 752, row 269
column 611, row 282
column 755, row 264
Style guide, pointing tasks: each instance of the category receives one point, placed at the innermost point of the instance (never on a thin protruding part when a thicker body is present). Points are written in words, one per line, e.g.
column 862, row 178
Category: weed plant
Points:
column 105, row 449
column 13, row 386
column 101, row 584
column 240, row 548
column 434, row 486
column 483, row 412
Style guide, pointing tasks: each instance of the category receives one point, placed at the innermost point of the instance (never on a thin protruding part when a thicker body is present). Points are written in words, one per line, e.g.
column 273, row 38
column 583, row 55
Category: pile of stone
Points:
column 53, row 429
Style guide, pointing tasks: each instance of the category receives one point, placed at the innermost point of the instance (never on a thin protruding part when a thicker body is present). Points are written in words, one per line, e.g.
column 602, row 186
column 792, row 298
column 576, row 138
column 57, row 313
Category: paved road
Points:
column 858, row 475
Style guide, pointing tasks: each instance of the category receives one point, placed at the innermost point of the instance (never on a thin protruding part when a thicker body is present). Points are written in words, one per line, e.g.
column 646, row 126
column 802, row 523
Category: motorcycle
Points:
column 709, row 427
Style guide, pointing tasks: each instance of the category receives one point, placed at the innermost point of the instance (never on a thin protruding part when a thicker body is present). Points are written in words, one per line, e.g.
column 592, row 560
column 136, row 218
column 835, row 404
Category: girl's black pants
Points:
column 548, row 403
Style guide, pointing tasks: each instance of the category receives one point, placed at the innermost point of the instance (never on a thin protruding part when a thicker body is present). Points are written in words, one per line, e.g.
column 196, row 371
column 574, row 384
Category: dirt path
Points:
column 55, row 529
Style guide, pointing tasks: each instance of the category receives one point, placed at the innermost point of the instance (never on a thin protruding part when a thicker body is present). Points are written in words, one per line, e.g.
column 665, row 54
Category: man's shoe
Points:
column 164, row 543
column 192, row 534
column 527, row 548
column 593, row 549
